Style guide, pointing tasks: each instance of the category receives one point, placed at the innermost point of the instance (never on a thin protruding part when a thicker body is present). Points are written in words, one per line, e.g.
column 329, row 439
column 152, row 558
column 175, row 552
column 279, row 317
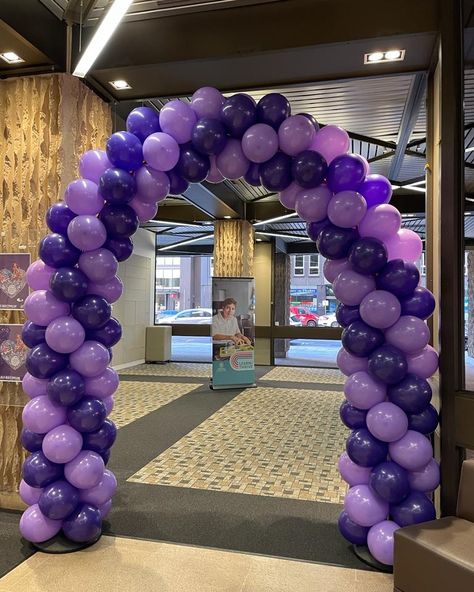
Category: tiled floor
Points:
column 267, row 441
column 131, row 565
column 314, row 375
column 189, row 369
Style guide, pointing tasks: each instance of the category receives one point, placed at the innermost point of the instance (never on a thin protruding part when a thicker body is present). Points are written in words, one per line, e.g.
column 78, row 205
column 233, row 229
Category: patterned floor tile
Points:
column 267, row 441
column 315, row 375
column 134, row 400
column 172, row 369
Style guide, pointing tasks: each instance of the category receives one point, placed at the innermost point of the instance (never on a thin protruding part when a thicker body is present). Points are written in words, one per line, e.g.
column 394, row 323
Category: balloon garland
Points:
column 388, row 462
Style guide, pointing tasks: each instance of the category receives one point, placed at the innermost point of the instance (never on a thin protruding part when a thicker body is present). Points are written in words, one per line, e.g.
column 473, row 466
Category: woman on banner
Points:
column 225, row 326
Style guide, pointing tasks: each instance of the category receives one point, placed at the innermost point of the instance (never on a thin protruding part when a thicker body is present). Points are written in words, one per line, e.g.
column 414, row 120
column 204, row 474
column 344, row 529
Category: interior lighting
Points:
column 11, row 57
column 102, row 35
column 471, row 149
column 227, row 217
column 186, row 242
column 377, row 56
column 120, row 84
column 392, row 55
column 282, row 235
column 168, row 223
column 270, row 220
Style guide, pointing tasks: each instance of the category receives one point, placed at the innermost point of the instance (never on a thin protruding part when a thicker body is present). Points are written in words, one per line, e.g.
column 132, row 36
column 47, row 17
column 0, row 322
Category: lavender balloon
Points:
column 333, row 267
column 365, row 507
column 36, row 527
column 85, row 470
column 82, row 197
column 424, row 363
column 387, row 422
column 93, row 165
column 232, row 162
column 260, row 143
column 38, row 275
column 41, row 415
column 152, row 185
column 380, row 222
column 65, row 335
column 380, row 541
column 177, row 119
column 363, row 391
column 87, row 233
column 352, row 473
column 90, row 359
column 380, row 309
column 412, row 452
column 295, row 134
column 62, row 444
column 331, row 141
column 346, row 209
column 351, row 287
column 161, row 151
column 99, row 265
column 409, row 334
column 349, row 364
column 312, row 204
column 207, row 102
column 427, row 479
column 41, row 307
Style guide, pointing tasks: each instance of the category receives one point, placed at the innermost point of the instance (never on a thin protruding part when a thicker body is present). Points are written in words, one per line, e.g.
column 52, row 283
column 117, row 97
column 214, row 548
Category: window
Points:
column 465, row 263
column 423, row 264
column 314, row 265
column 299, row 265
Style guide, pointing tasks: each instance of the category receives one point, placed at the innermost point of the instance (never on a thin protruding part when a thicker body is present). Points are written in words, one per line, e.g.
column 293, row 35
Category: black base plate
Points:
column 60, row 544
column 362, row 552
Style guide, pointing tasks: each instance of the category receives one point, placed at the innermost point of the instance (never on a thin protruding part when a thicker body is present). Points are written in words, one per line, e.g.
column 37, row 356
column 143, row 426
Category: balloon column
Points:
column 70, row 328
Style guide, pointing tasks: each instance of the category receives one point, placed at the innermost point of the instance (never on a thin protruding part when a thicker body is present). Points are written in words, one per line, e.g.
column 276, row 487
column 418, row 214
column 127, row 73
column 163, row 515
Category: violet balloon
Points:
column 58, row 500
column 351, row 287
column 232, row 162
column 124, row 150
column 354, row 533
column 119, row 220
column 346, row 315
column 57, row 251
column 43, row 362
column 424, row 422
column 192, row 165
column 346, row 209
column 351, row 416
column 93, row 312
column 376, row 190
column 109, row 335
column 84, row 524
column 414, row 509
column 380, row 309
column 362, row 391
column 238, row 113
column 66, row 387
column 364, row 449
column 312, row 204
column 87, row 415
column 387, row 422
column 334, row 242
column 69, row 284
column 273, row 109
column 209, row 136
column 252, row 176
column 122, row 247
column 142, row 122
column 380, row 541
column 412, row 452
column 360, row 339
column 177, row 119
column 117, row 186
column 62, row 444
column 58, row 217
column 365, row 507
column 399, row 277
column 65, row 335
column 309, row 168
column 38, row 275
column 345, row 173
column 101, row 439
column 207, row 102
column 412, row 394
column 83, row 198
column 331, row 141
column 390, row 482
column 90, row 359
column 38, row 471
column 352, row 473
column 31, row 441
column 178, row 185
column 388, row 364
column 32, row 334
column 349, row 364
column 368, row 255
column 36, row 527
column 161, row 151
column 313, row 229
column 420, row 303
column 275, row 174
column 92, row 165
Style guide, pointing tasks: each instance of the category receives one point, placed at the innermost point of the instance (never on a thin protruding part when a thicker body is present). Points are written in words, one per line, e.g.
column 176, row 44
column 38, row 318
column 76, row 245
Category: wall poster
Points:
column 12, row 353
column 13, row 286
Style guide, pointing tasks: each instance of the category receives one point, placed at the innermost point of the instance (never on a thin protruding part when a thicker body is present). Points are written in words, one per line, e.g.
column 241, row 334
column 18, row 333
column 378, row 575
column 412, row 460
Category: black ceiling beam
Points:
column 301, row 248
column 217, row 200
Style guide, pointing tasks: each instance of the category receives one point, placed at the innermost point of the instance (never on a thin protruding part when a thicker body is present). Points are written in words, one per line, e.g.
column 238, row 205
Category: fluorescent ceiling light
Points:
column 259, row 240
column 186, row 242
column 413, row 188
column 102, row 35
column 270, row 220
column 422, row 182
column 394, row 187
column 393, row 55
column 281, row 235
column 471, row 149
column 120, row 84
column 168, row 223
column 11, row 57
column 377, row 57
column 227, row 217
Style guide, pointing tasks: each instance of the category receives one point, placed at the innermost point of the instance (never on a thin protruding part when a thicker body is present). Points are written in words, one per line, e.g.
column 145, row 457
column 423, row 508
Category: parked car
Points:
column 328, row 320
column 192, row 316
column 307, row 318
column 294, row 322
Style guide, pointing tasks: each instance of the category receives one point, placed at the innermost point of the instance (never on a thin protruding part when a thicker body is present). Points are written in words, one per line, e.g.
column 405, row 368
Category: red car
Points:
column 307, row 319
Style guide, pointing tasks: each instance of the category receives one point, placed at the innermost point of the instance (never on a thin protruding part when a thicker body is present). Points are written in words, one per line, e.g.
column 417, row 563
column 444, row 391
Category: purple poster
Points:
column 13, row 286
column 12, row 353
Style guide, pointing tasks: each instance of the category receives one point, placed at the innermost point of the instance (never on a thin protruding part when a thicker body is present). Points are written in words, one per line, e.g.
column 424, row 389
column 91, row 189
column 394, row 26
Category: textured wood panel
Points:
column 46, row 123
column 233, row 248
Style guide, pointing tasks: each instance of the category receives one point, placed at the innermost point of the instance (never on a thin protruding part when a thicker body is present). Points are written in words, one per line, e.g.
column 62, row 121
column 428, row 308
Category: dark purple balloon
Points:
column 43, row 362
column 352, row 417
column 66, row 388
column 346, row 315
column 117, row 186
column 69, row 284
column 58, row 500
column 31, row 440
column 109, row 334
column 273, row 109
column 105, row 456
column 122, row 248
column 335, row 242
column 368, row 255
column 364, row 449
column 312, row 119
column 412, row 394
column 209, row 136
column 252, row 176
column 32, row 334
column 414, row 509
column 93, row 312
column 388, row 364
column 424, row 422
column 399, row 277
column 111, row 353
column 275, row 174
column 58, row 217
column 178, row 185
column 87, row 415
column 102, row 439
column 355, row 534
column 314, row 228
column 84, row 524
column 124, row 150
column 142, row 122
column 238, row 113
column 390, row 481
column 309, row 168
column 57, row 251
column 361, row 340
column 192, row 166
column 38, row 471
column 119, row 220
column 420, row 304
column 345, row 172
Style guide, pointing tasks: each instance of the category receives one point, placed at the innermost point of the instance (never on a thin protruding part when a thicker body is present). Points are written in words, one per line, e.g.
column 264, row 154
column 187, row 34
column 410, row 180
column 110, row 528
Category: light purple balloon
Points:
column 382, row 222
column 105, row 509
column 62, row 444
column 109, row 403
column 424, row 363
column 36, row 527
column 260, row 142
column 351, row 287
column 380, row 309
column 41, row 307
column 349, row 364
column 387, row 422
column 93, row 165
column 85, row 470
column 177, row 119
column 381, row 542
column 102, row 492
column 65, row 335
column 346, row 209
column 363, row 391
column 100, row 266
column 152, row 186
column 366, row 164
column 104, row 385
column 427, row 479
column 82, row 197
column 364, row 507
column 30, row 495
column 207, row 102
column 410, row 334
column 34, row 387
column 110, row 290
column 412, row 452
column 40, row 415
column 406, row 245
column 312, row 204
column 287, row 197
column 38, row 275
column 232, row 162
column 87, row 233
column 351, row 472
column 144, row 211
column 161, row 151
column 214, row 176
column 333, row 267
column 296, row 134
column 90, row 360
column 331, row 141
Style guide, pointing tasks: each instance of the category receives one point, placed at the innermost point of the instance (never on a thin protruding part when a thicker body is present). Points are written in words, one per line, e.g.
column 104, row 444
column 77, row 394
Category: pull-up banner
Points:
column 233, row 332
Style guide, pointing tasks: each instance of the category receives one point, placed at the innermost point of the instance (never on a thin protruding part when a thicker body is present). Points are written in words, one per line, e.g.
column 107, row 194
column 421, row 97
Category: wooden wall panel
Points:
column 233, row 248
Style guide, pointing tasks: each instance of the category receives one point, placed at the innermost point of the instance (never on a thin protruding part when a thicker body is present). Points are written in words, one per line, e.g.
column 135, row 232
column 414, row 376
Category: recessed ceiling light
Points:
column 377, row 56
column 207, row 222
column 120, row 84
column 227, row 217
column 11, row 57
column 259, row 240
column 392, row 55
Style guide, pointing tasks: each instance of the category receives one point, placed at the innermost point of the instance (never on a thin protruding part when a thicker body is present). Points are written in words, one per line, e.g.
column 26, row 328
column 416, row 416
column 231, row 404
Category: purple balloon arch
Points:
column 388, row 462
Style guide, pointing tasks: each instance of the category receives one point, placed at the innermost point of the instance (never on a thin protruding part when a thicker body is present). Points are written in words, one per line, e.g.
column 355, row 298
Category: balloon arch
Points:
column 388, row 462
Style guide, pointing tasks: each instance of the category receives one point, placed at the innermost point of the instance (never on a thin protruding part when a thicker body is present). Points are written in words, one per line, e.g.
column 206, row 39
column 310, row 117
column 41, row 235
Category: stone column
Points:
column 46, row 123
column 233, row 248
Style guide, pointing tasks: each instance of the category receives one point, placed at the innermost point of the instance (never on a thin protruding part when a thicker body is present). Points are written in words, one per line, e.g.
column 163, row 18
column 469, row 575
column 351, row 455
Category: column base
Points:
column 60, row 544
column 362, row 552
